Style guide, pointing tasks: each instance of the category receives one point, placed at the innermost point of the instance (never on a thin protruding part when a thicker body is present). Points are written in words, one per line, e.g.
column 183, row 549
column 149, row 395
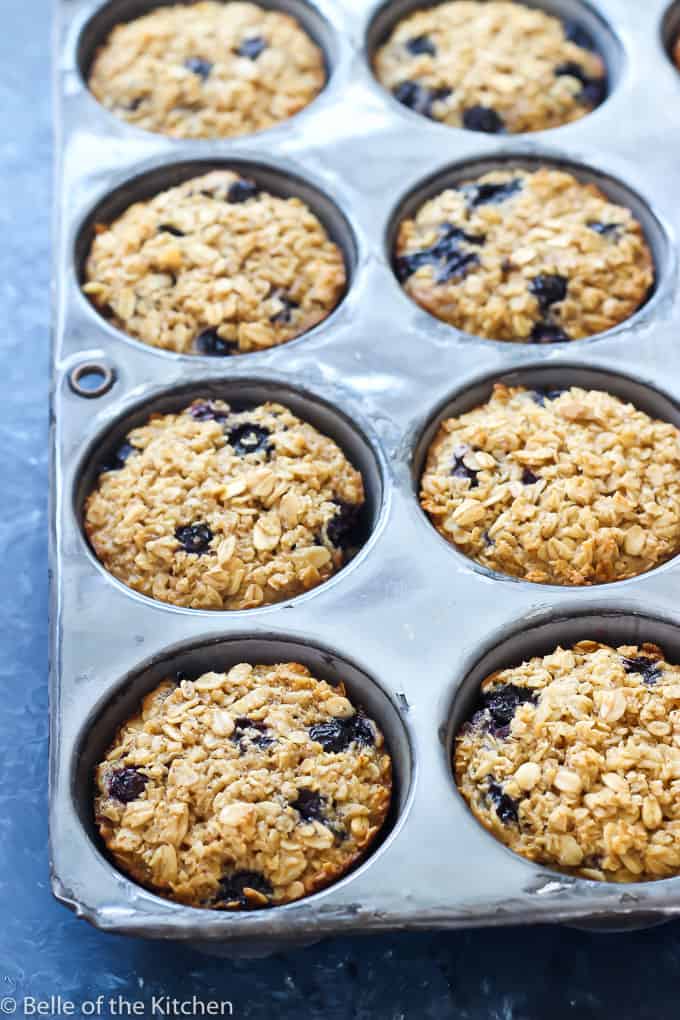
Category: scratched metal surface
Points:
column 412, row 623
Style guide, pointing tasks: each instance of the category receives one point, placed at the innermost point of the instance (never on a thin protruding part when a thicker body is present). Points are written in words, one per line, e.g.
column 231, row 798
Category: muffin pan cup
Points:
column 413, row 623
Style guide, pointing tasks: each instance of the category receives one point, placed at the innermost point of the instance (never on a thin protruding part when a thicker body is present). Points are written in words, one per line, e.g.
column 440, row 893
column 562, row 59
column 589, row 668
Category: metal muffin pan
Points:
column 411, row 624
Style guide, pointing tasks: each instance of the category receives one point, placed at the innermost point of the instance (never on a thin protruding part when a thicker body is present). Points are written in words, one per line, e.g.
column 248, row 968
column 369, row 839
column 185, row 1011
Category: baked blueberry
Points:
column 233, row 887
column 540, row 396
column 418, row 97
column 249, row 438
column 336, row 735
column 250, row 731
column 455, row 265
column 488, row 193
column 506, row 807
column 168, row 228
column 528, row 477
column 611, row 230
column 593, row 90
column 460, row 469
column 649, row 669
column 194, row 538
column 341, row 530
column 548, row 289
column 242, row 190
column 503, row 701
column 577, row 34
column 420, row 45
column 451, row 261
column 199, row 66
column 252, row 47
column 483, row 118
column 310, row 806
column 127, row 784
column 117, row 459
column 205, row 410
column 287, row 306
column 211, row 343
column 548, row 333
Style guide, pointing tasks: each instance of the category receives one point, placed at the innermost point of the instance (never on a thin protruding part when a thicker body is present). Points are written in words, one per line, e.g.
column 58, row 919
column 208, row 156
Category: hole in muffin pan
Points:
column 241, row 394
column 99, row 729
column 654, row 230
column 611, row 626
column 642, row 395
column 151, row 182
column 90, row 379
column 571, row 12
column 96, row 30
column 670, row 31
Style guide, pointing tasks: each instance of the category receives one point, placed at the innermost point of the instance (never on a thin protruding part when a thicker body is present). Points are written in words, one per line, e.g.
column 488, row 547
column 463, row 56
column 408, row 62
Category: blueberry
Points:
column 540, row 396
column 284, row 315
column 649, row 669
column 459, row 469
column 199, row 66
column 233, row 887
column 548, row 333
column 241, row 191
column 341, row 530
column 449, row 233
column 486, row 194
column 336, row 735
column 167, row 228
column 310, row 806
column 248, row 438
column 445, row 254
column 421, row 44
column 528, row 477
column 362, row 730
column 127, row 784
column 548, row 289
column 419, row 98
column 249, row 731
column 194, row 538
column 135, row 104
column 116, row 460
column 593, row 90
column 456, row 266
column 252, row 47
column 503, row 701
column 610, row 230
column 211, row 343
column 577, row 34
column 506, row 807
column 205, row 410
column 483, row 118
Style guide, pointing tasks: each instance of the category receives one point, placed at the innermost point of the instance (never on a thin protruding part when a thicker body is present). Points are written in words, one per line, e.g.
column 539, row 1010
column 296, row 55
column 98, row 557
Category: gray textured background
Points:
column 519, row 975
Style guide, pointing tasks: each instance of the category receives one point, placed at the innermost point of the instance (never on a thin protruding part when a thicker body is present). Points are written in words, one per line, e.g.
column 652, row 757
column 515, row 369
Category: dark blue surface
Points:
column 525, row 975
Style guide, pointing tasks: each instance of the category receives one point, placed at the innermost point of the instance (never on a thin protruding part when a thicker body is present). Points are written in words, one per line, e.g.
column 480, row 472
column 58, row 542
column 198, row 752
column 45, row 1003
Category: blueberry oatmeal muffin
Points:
column 533, row 256
column 243, row 789
column 492, row 67
column 572, row 761
column 556, row 486
column 213, row 508
column 207, row 70
column 215, row 266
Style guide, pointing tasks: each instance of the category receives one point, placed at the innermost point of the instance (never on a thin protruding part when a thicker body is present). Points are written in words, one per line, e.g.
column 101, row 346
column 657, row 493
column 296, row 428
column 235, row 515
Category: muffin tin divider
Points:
column 409, row 611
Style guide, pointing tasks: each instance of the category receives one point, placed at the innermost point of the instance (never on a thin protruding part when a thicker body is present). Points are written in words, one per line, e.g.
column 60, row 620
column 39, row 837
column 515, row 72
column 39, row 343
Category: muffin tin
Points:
column 410, row 624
